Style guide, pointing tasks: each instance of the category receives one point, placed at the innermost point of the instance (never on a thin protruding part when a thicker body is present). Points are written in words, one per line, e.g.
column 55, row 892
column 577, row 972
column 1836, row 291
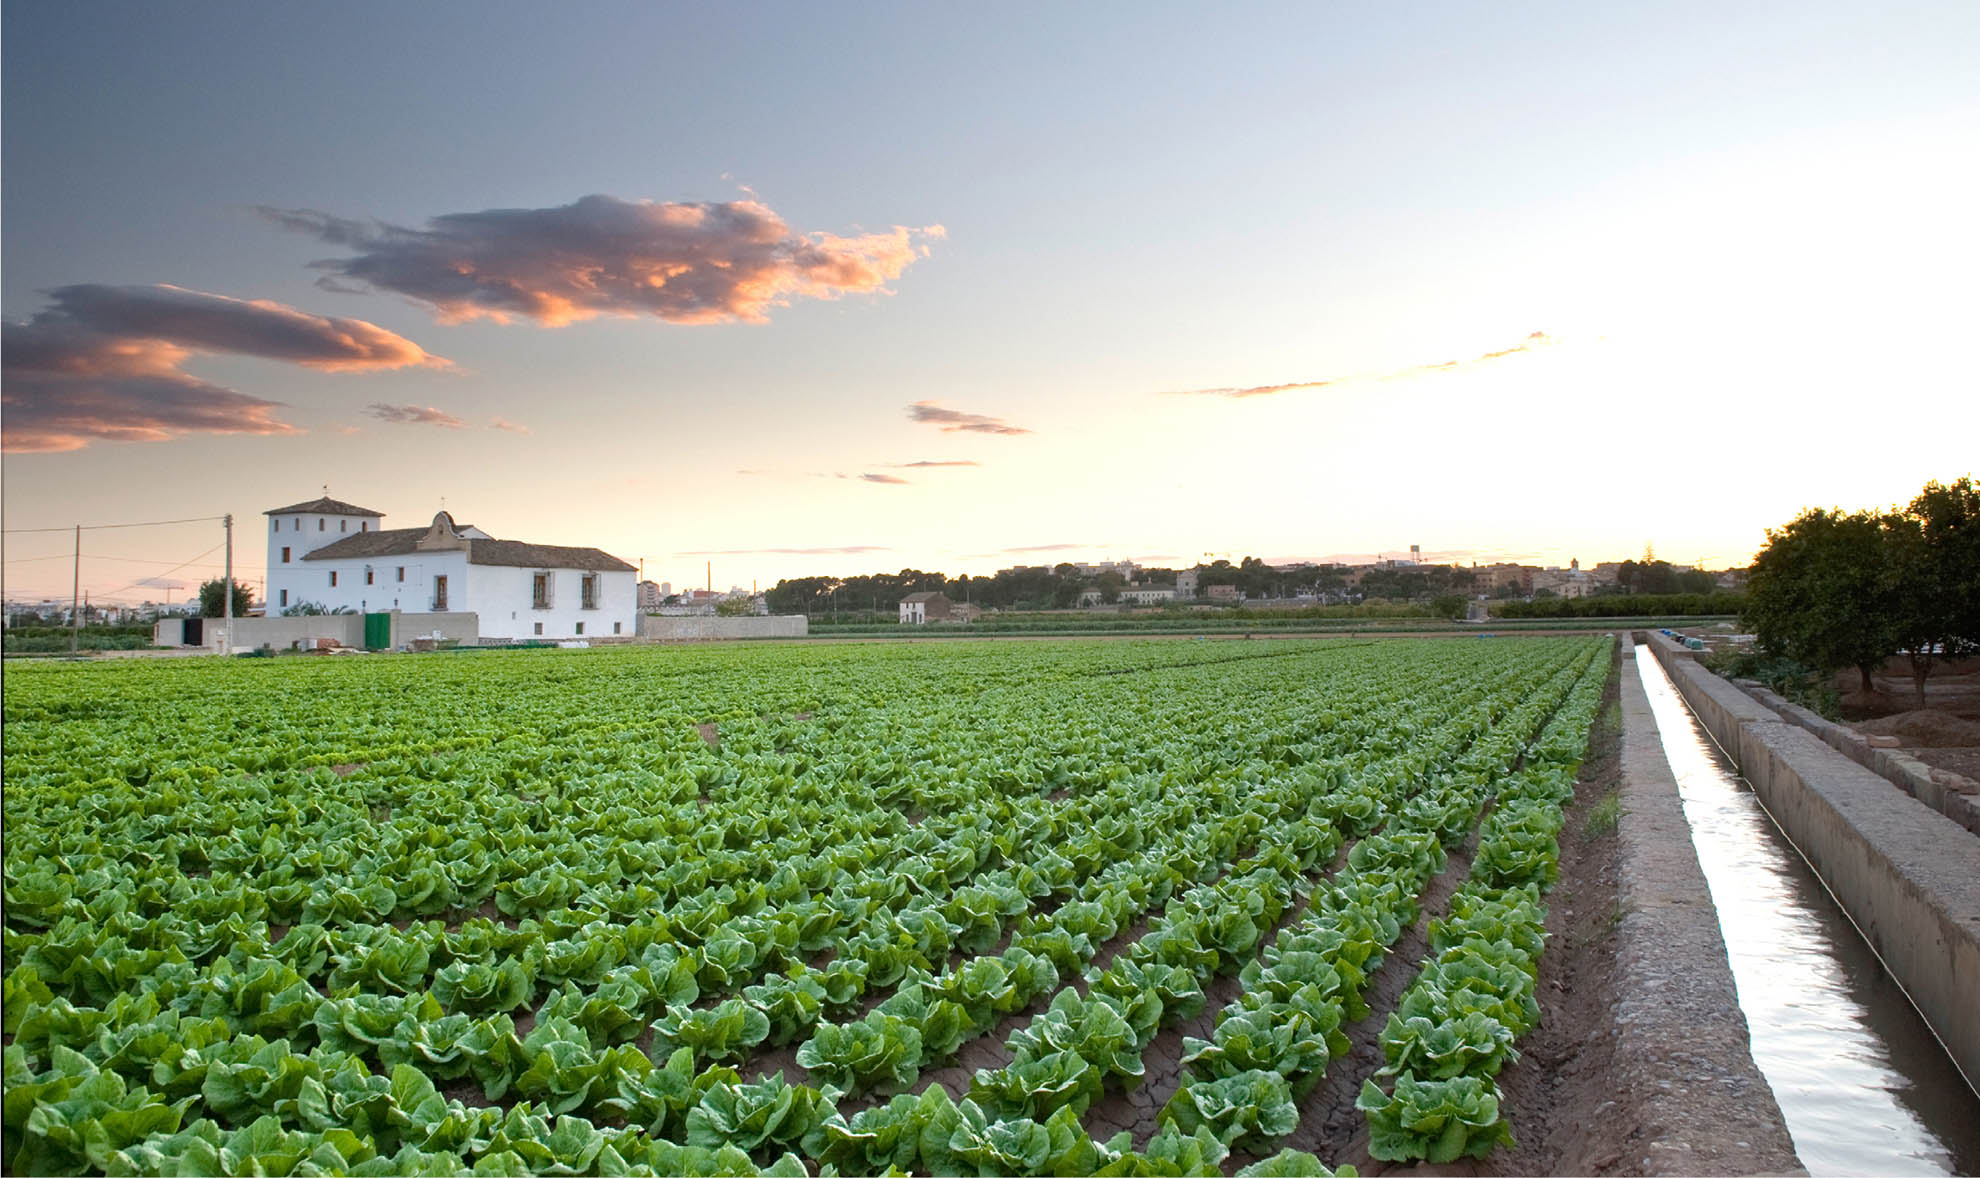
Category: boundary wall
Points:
column 709, row 628
column 1951, row 794
column 1906, row 874
column 284, row 633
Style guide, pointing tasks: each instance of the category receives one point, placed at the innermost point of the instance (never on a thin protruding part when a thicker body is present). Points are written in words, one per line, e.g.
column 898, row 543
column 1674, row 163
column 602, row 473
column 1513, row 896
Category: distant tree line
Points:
column 1653, row 576
column 1634, row 605
column 1060, row 586
column 1834, row 589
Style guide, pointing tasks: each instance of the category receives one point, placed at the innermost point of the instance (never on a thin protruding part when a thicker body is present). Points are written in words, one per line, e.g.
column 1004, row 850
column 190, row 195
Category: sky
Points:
column 832, row 289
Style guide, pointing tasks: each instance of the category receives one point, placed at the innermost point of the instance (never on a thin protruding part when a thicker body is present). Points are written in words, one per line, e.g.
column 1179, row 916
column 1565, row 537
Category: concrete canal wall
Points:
column 1906, row 873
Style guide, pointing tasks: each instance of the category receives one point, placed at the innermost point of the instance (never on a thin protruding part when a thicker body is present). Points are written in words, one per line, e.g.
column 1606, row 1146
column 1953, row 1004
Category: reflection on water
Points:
column 1864, row 1087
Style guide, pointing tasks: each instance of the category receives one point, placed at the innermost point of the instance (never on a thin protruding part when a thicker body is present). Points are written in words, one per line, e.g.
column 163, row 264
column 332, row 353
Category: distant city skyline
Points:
column 820, row 291
column 252, row 570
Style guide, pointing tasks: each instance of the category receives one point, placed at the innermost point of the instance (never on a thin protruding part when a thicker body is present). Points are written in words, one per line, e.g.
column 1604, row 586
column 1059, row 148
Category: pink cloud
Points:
column 955, row 421
column 413, row 415
column 104, row 363
column 679, row 262
column 1533, row 342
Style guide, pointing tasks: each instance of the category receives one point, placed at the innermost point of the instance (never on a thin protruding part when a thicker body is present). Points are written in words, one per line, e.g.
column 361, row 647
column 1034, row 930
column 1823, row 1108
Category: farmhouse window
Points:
column 343, row 525
column 367, row 574
column 539, row 627
column 402, row 572
column 285, row 556
column 588, row 591
column 285, row 597
column 615, row 626
column 539, row 591
column 320, row 523
column 580, row 628
column 333, row 578
column 440, row 593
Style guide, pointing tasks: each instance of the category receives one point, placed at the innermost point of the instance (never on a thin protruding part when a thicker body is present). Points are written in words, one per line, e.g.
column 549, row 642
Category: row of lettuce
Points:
column 158, row 1027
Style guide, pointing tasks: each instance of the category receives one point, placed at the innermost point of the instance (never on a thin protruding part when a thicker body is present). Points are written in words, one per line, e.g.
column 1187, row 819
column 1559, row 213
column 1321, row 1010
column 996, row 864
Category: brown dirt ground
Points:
column 1952, row 687
column 1928, row 728
column 1945, row 734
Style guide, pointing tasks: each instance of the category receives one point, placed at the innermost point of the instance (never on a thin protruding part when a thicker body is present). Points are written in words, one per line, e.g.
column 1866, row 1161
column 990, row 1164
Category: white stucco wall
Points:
column 503, row 595
column 303, row 534
column 310, row 581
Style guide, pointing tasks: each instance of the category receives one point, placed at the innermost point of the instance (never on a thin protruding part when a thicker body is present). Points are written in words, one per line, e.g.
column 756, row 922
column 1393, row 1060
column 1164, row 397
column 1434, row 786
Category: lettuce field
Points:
column 978, row 908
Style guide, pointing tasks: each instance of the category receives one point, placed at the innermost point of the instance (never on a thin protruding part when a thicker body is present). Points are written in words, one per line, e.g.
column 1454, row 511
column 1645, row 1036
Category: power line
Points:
column 155, row 523
column 175, row 568
column 90, row 556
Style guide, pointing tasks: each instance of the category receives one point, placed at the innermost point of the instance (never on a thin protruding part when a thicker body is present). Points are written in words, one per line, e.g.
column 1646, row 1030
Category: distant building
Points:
column 650, row 596
column 1148, row 594
column 693, row 603
column 919, row 608
column 515, row 589
column 1223, row 594
column 1186, row 584
column 1495, row 577
column 1126, row 568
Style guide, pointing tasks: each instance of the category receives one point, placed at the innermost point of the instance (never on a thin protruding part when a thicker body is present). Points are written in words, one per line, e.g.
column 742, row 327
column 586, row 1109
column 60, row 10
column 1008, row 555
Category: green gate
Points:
column 377, row 631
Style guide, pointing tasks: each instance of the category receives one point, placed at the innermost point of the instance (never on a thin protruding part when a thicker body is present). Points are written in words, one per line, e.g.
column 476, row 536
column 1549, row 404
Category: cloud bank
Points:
column 413, row 415
column 682, row 263
column 103, row 363
column 1533, row 342
column 952, row 421
column 922, row 464
column 868, row 477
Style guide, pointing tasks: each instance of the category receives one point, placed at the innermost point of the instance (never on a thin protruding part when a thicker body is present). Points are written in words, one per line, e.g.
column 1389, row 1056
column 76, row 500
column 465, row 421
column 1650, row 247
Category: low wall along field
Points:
column 997, row 908
column 661, row 628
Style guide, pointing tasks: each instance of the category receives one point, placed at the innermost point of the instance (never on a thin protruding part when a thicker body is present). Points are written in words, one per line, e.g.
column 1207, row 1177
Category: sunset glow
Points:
column 839, row 291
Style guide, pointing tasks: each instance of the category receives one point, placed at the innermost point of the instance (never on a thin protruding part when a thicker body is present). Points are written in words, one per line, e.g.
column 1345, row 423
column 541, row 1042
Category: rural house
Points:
column 917, row 608
column 336, row 555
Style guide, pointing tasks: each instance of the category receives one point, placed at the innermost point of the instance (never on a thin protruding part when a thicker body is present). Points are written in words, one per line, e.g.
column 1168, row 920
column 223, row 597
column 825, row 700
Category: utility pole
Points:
column 75, row 601
column 227, row 592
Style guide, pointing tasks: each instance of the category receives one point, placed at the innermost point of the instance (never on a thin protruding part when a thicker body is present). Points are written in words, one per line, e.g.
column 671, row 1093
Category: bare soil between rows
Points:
column 1560, row 1097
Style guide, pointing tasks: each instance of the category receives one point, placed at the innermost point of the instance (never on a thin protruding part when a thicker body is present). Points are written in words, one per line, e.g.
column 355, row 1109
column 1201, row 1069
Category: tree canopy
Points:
column 1835, row 589
column 210, row 594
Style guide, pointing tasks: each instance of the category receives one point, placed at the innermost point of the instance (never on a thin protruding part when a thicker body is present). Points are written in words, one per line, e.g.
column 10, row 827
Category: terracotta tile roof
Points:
column 515, row 553
column 384, row 542
column 323, row 506
column 511, row 553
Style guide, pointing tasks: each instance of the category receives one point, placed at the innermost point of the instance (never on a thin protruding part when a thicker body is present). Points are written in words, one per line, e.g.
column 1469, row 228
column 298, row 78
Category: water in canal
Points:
column 1863, row 1085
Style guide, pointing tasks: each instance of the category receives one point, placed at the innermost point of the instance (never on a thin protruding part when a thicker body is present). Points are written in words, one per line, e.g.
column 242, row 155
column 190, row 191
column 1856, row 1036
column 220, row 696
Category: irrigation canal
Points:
column 1864, row 1086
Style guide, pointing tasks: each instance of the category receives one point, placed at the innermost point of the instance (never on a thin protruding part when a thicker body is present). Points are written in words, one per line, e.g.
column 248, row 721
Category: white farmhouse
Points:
column 338, row 556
